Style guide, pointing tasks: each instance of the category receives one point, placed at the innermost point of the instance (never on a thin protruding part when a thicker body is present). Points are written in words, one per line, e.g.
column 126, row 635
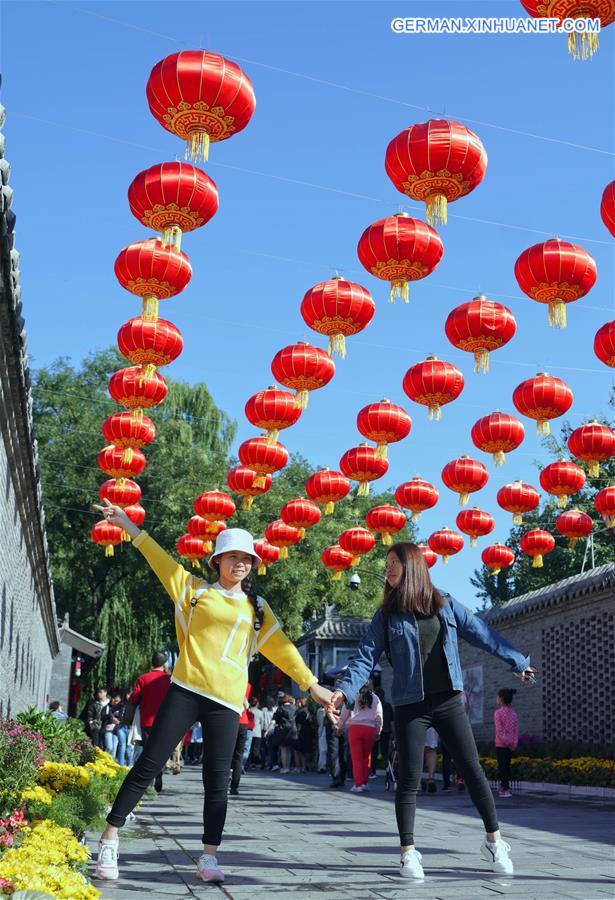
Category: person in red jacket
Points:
column 150, row 690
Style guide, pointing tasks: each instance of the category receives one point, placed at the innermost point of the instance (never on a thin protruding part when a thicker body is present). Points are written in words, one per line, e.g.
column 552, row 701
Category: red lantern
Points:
column 399, row 250
column 580, row 46
column 384, row 423
column 136, row 514
column 497, row 557
column 607, row 207
column 152, row 272
column 214, row 506
column 338, row 308
column 498, row 434
column 433, row 383
column 337, row 560
column 120, row 491
column 604, row 501
column 429, row 556
column 562, row 479
column 272, row 410
column 149, row 343
column 385, row 520
column 480, row 327
column 357, row 541
column 327, row 487
column 556, row 273
column 518, row 498
column 593, row 443
column 574, row 525
column 436, row 162
column 173, row 197
column 268, row 554
column 201, row 97
column 475, row 523
column 283, row 536
column 302, row 368
column 263, row 456
column 122, row 430
column 363, row 464
column 300, row 514
column 191, row 548
column 542, row 398
column 205, row 529
column 107, row 535
column 445, row 542
column 242, row 480
column 464, row 476
column 111, row 461
column 416, row 495
column 604, row 344
column 537, row 543
column 132, row 388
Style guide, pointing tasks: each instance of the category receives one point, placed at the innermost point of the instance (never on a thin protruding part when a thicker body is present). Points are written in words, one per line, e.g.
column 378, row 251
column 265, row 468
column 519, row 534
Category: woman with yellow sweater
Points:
column 219, row 627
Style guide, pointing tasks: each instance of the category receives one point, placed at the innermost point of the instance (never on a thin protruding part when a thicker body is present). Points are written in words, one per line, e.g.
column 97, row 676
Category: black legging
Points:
column 179, row 710
column 504, row 755
column 446, row 714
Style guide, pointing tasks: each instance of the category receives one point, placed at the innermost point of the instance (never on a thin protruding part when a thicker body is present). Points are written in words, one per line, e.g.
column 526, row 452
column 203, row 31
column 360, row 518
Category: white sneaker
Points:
column 354, row 789
column 106, row 864
column 364, row 789
column 208, row 870
column 496, row 853
column 275, row 768
column 284, row 771
column 410, row 865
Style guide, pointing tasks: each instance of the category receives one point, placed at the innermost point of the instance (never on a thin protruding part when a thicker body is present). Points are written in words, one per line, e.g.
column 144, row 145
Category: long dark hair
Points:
column 252, row 594
column 415, row 592
column 366, row 697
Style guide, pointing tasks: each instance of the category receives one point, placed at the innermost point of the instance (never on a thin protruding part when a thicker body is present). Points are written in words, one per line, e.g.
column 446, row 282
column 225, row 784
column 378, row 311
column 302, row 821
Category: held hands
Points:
column 333, row 708
column 116, row 516
column 321, row 695
column 528, row 676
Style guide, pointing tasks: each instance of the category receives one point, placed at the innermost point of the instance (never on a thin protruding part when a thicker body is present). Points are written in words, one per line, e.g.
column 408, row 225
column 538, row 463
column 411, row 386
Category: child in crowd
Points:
column 506, row 737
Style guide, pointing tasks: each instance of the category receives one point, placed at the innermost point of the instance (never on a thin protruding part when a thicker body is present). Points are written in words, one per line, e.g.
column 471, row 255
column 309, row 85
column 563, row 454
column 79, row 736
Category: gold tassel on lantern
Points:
column 499, row 458
column 473, row 541
column 589, row 45
column 247, row 502
column 127, row 455
column 208, row 546
column 518, row 519
column 283, row 552
column 399, row 289
column 481, row 361
column 337, row 345
column 329, row 508
column 260, row 481
column 125, row 537
column 543, row 426
column 381, row 451
column 149, row 307
column 272, row 436
column 172, row 237
column 386, row 538
column 195, row 564
column 572, row 542
column 337, row 576
column 301, row 533
column 197, row 147
column 109, row 550
column 356, row 560
column 557, row 313
column 301, row 398
column 416, row 515
column 463, row 498
column 262, row 569
column 537, row 562
column 146, row 372
column 445, row 559
column 363, row 489
column 136, row 415
column 436, row 209
column 435, row 412
column 562, row 501
column 496, row 571
column 594, row 468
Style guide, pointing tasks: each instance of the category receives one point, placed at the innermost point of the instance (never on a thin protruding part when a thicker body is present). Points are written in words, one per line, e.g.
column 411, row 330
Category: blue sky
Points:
column 297, row 187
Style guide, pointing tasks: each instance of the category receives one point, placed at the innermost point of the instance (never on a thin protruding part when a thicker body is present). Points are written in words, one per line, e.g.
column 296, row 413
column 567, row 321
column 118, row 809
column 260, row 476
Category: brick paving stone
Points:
column 293, row 839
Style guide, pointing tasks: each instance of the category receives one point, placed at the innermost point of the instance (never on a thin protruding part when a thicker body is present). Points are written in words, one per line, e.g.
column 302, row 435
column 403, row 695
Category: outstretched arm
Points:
column 476, row 631
column 361, row 667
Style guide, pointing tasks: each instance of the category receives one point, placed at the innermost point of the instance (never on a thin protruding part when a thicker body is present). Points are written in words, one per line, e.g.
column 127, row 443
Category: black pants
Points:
column 255, row 751
column 504, row 756
column 381, row 749
column 179, row 710
column 240, row 743
column 446, row 714
column 337, row 763
column 447, row 764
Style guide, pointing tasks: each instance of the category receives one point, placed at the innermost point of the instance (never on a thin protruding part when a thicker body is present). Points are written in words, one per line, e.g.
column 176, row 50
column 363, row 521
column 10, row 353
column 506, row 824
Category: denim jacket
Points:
column 457, row 621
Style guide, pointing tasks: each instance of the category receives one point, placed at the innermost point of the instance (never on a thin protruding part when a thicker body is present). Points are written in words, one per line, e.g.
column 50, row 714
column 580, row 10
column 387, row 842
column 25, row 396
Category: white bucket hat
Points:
column 235, row 539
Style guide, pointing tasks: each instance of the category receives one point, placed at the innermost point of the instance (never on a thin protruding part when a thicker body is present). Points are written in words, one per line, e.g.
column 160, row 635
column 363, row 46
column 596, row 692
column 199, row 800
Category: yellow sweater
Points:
column 216, row 635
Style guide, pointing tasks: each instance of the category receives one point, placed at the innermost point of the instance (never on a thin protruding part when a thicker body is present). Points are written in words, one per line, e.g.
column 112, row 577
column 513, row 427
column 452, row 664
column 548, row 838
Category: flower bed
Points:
column 583, row 770
column 53, row 786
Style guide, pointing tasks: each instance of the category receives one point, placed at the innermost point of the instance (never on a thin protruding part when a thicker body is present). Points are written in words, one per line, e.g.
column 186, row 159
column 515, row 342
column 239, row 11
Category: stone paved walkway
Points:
column 290, row 837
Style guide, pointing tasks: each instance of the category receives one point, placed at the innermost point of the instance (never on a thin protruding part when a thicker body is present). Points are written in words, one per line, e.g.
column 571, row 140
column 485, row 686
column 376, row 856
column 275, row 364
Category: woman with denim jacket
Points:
column 419, row 627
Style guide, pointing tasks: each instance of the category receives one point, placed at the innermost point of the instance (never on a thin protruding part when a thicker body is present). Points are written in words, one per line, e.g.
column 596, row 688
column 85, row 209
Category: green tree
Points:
column 119, row 601
column 564, row 561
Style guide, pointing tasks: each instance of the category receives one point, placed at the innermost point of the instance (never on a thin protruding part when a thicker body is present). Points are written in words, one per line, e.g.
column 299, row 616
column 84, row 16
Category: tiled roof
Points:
column 348, row 628
column 599, row 579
